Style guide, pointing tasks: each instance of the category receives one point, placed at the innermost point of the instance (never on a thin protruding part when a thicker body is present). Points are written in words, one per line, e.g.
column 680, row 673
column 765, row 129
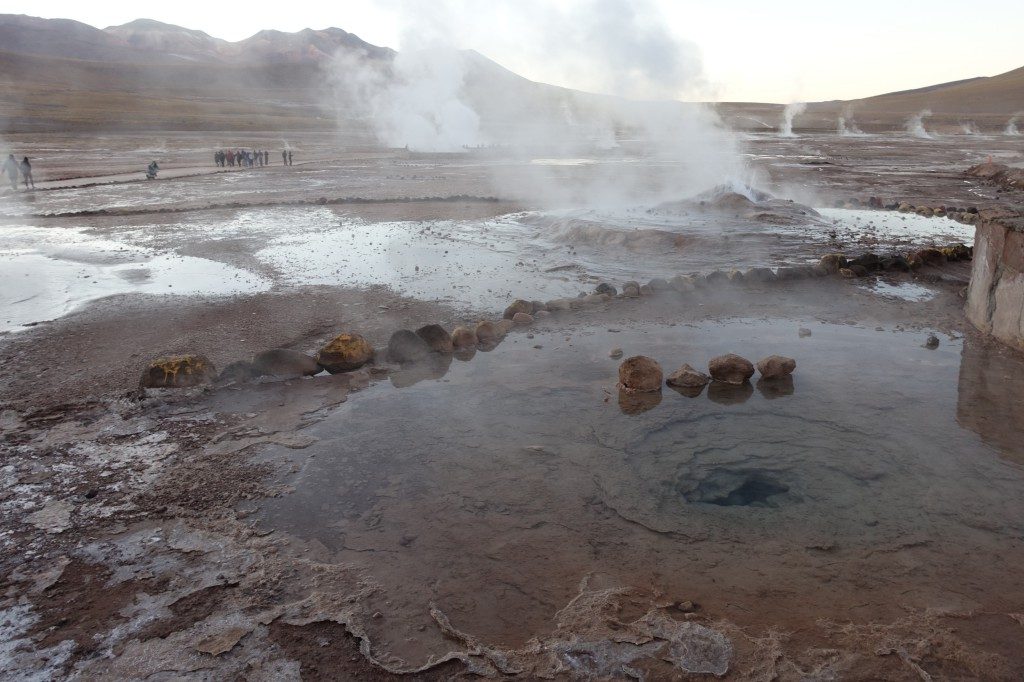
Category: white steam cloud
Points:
column 915, row 126
column 846, row 125
column 788, row 114
column 438, row 96
column 416, row 101
column 969, row 128
column 1011, row 125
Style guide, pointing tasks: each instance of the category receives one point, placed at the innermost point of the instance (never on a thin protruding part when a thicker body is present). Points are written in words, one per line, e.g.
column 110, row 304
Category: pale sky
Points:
column 789, row 50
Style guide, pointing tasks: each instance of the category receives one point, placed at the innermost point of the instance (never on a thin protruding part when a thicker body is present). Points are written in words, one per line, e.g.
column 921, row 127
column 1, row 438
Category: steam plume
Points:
column 915, row 126
column 789, row 113
column 969, row 128
column 1011, row 126
column 846, row 125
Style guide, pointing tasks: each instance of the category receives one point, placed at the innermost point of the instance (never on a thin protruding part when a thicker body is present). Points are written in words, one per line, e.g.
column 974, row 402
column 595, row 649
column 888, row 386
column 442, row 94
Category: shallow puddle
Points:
column 491, row 488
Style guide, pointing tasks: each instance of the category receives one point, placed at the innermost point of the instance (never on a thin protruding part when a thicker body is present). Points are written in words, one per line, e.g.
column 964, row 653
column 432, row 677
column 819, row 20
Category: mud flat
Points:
column 503, row 512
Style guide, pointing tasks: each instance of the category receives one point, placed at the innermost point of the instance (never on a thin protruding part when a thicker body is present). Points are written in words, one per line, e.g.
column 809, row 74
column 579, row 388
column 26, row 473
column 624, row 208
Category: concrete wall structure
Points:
column 995, row 298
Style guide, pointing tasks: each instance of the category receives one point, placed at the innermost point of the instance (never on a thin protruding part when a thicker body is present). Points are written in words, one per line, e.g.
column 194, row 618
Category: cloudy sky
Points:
column 739, row 50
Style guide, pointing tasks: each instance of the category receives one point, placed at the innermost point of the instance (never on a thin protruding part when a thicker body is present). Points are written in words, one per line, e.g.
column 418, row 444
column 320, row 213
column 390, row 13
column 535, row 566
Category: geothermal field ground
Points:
column 507, row 509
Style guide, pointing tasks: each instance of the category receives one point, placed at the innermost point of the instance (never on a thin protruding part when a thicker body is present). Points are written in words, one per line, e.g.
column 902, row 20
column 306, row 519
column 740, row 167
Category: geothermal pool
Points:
column 495, row 490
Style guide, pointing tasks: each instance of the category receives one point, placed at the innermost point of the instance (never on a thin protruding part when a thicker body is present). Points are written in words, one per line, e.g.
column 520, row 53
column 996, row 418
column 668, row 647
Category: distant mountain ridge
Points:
column 150, row 41
column 60, row 74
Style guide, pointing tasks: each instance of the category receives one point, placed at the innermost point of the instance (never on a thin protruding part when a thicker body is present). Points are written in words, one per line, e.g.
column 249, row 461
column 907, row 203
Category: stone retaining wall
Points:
column 995, row 298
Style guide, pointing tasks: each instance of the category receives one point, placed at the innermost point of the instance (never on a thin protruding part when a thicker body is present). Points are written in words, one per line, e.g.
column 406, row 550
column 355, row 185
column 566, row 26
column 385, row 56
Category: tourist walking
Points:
column 284, row 157
column 289, row 157
column 151, row 170
column 11, row 169
column 26, row 173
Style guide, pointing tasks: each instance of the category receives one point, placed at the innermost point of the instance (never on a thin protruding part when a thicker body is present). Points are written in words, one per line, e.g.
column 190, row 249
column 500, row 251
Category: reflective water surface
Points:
column 861, row 490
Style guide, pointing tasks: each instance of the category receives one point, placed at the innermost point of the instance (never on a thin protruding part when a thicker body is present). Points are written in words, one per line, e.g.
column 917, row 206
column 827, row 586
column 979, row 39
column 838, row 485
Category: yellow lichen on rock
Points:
column 179, row 371
column 345, row 352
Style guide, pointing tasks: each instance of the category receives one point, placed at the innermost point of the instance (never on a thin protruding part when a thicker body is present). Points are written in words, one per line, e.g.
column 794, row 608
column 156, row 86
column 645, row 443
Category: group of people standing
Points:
column 11, row 168
column 245, row 158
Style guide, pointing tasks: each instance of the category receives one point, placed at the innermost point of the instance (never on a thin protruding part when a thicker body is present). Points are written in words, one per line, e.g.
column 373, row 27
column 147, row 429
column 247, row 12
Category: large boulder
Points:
column 631, row 290
column 463, row 337
column 730, row 369
column 179, row 371
column 344, row 353
column 406, row 346
column 776, row 367
column 518, row 306
column 640, row 374
column 435, row 336
column 281, row 362
column 687, row 377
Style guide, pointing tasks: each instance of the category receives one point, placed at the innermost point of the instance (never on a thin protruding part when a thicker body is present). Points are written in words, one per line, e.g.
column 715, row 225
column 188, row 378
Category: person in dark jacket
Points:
column 26, row 173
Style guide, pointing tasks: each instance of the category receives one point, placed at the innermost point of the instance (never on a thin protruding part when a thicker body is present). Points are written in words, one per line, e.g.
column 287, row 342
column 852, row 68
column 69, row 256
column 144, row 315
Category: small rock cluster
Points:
column 968, row 215
column 641, row 374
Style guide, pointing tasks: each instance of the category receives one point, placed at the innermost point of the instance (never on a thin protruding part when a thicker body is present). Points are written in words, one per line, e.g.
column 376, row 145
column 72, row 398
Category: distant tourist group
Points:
column 11, row 168
column 245, row 158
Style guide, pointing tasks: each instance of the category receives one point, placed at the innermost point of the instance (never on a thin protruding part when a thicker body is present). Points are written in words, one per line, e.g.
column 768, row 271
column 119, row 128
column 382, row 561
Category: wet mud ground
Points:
column 508, row 514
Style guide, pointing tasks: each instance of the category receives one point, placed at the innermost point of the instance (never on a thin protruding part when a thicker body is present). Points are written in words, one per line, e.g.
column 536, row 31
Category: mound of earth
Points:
column 744, row 202
column 998, row 174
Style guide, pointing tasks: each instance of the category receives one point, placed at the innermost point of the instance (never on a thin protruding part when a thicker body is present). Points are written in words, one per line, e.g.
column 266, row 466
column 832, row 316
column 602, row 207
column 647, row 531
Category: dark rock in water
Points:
column 735, row 277
column 464, row 354
column 683, row 283
column 631, row 289
column 615, row 353
column 486, row 333
column 730, row 369
column 463, row 337
column 776, row 366
column 637, row 403
column 803, row 332
column 658, row 284
column 847, row 273
column 932, row 342
column 239, row 372
column 930, row 256
column 687, row 377
column 537, row 306
column 522, row 320
column 957, row 252
column 868, row 261
column 688, row 391
column 605, row 288
column 281, row 362
column 771, row 389
column 832, row 263
column 435, row 366
column 640, row 374
column 405, row 346
column 179, row 371
column 435, row 336
column 518, row 306
column 344, row 353
column 858, row 270
column 896, row 263
column 716, row 277
column 790, row 273
column 646, row 290
column 730, row 394
column 760, row 275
